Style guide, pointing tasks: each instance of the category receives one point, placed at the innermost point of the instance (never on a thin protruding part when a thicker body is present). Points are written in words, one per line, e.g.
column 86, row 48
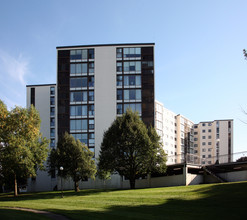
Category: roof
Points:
column 103, row 45
column 41, row 85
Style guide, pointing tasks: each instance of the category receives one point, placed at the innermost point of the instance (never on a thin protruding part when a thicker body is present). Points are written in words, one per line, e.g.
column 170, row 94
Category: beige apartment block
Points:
column 175, row 133
column 213, row 141
column 183, row 141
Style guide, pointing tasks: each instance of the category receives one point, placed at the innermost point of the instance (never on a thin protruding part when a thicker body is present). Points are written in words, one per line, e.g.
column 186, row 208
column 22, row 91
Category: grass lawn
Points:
column 211, row 201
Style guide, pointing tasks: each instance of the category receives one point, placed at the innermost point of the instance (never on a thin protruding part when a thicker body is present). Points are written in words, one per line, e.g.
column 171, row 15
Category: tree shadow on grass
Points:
column 223, row 201
column 51, row 195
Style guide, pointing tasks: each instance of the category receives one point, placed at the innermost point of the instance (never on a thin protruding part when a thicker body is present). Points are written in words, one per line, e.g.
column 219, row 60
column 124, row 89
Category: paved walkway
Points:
column 48, row 214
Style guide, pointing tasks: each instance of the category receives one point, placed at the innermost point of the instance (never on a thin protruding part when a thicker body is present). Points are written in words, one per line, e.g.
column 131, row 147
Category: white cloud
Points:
column 13, row 71
column 14, row 68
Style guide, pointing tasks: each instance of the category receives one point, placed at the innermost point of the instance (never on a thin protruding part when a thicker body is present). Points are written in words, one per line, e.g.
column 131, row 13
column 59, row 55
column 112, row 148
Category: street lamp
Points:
column 61, row 169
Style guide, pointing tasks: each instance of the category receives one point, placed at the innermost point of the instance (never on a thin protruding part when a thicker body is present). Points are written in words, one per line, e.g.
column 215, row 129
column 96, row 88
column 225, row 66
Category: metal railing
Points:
column 197, row 160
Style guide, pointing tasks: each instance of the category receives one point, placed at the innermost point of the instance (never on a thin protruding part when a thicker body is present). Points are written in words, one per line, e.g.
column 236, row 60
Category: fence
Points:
column 197, row 160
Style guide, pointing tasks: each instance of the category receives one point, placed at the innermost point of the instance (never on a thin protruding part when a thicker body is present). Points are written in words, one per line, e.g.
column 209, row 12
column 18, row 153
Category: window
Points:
column 132, row 80
column 203, row 137
column 134, row 94
column 209, row 130
column 119, row 109
column 132, row 66
column 132, row 52
column 78, row 96
column 203, row 156
column 195, row 126
column 78, row 82
column 119, row 94
column 209, row 143
column 203, row 143
column 52, row 132
column 134, row 107
column 91, row 53
column 91, row 95
column 52, row 122
column 78, row 124
column 52, row 111
column 209, row 162
column 209, row 149
column 91, row 138
column 119, row 66
column 91, row 124
column 203, row 131
column 147, row 64
column 52, row 100
column 90, row 110
column 91, row 81
column 78, row 68
column 209, row 156
column 119, row 80
column 76, row 54
column 91, row 67
column 119, row 52
column 195, row 133
column 195, row 145
column 82, row 137
column 78, row 110
column 209, row 137
column 203, row 149
column 52, row 90
column 52, row 143
column 195, row 139
column 203, row 124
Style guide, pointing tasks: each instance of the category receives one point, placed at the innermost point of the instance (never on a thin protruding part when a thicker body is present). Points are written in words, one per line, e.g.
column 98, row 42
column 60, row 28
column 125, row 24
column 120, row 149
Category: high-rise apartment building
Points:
column 183, row 141
column 213, row 141
column 165, row 125
column 95, row 84
column 175, row 133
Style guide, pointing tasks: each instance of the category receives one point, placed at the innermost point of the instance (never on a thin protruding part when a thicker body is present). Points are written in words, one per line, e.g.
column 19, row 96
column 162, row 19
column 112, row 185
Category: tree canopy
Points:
column 74, row 157
column 22, row 148
column 131, row 149
column 245, row 53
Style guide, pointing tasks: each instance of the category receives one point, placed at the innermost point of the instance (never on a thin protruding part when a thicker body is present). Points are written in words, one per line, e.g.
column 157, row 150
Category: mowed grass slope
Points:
column 212, row 201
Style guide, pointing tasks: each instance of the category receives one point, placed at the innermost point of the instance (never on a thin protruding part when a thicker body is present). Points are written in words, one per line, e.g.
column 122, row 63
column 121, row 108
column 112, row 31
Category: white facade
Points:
column 43, row 97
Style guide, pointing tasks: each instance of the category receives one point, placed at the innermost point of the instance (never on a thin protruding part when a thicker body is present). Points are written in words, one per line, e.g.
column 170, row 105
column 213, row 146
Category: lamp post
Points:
column 61, row 169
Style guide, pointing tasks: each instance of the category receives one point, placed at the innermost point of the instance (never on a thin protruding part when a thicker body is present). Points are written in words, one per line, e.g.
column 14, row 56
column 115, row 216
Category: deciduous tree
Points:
column 130, row 149
column 74, row 157
column 22, row 148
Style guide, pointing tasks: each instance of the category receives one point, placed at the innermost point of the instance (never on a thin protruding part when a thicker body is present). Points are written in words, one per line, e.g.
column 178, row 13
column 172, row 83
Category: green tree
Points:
column 22, row 149
column 74, row 157
column 131, row 149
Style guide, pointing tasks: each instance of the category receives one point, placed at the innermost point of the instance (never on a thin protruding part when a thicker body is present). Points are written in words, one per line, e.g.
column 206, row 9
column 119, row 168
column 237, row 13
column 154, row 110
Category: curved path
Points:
column 48, row 214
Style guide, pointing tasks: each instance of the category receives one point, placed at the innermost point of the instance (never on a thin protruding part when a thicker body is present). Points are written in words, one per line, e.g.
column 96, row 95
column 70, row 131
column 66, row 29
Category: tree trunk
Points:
column 76, row 186
column 15, row 191
column 132, row 183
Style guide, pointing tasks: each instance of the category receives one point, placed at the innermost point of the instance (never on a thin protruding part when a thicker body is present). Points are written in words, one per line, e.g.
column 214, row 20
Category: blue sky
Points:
column 200, row 69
